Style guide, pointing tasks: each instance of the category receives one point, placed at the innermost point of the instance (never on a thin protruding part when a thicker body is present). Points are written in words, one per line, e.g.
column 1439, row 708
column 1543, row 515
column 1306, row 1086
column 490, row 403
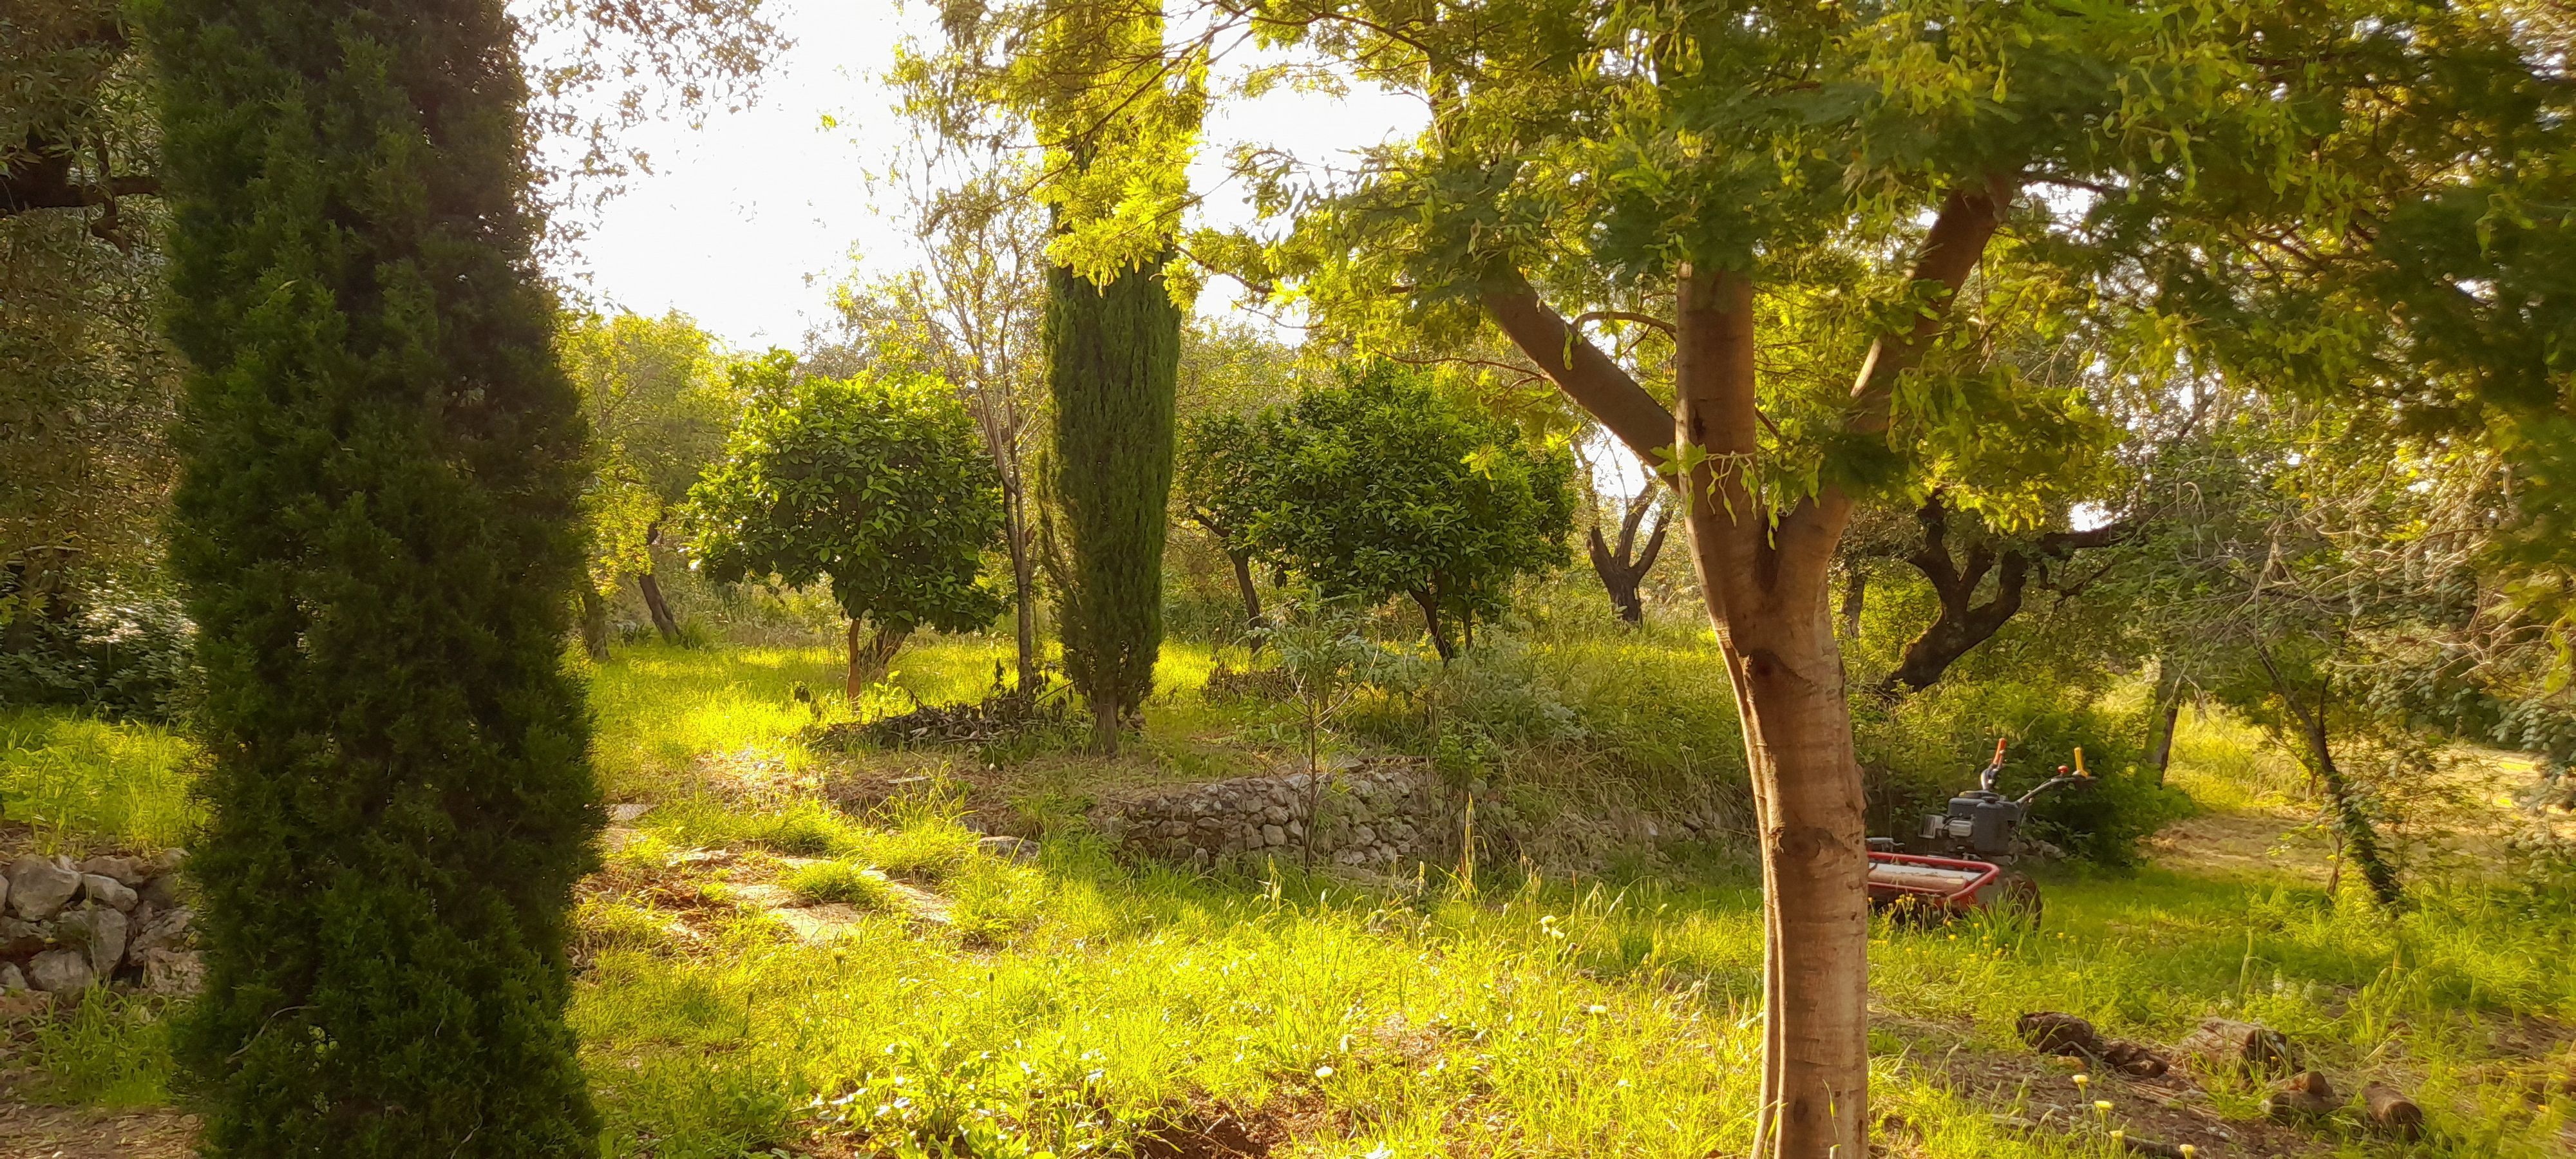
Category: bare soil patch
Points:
column 39, row 1132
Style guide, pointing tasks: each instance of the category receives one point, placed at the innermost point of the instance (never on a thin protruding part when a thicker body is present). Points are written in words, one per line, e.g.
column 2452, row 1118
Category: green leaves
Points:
column 875, row 483
column 1379, row 487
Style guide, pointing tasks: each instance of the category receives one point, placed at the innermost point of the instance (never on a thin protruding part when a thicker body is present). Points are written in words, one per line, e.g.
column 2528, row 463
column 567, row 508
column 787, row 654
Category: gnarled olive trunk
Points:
column 1242, row 561
column 1623, row 567
column 594, row 624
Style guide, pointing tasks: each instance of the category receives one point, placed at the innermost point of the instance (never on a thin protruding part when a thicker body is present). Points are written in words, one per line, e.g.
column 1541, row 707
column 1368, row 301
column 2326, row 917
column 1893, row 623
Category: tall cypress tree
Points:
column 1113, row 356
column 376, row 525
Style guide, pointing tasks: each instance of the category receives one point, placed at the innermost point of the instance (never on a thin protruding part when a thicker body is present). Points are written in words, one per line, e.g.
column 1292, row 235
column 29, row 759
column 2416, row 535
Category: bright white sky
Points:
column 747, row 223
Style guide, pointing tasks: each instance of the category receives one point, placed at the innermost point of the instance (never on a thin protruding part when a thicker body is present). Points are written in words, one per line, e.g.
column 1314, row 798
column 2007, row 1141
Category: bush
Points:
column 118, row 653
column 1927, row 747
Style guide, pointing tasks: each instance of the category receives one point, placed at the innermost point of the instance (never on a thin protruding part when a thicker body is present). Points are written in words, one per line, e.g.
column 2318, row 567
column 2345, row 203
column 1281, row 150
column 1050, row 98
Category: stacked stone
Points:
column 65, row 926
column 1374, row 816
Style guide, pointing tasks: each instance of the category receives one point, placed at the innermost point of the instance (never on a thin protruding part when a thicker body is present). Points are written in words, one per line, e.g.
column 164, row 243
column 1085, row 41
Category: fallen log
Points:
column 2307, row 1095
column 2392, row 1112
column 2227, row 1044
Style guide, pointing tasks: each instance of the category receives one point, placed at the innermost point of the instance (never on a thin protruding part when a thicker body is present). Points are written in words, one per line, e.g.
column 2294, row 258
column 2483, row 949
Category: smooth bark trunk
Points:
column 1764, row 573
column 1766, row 597
column 869, row 658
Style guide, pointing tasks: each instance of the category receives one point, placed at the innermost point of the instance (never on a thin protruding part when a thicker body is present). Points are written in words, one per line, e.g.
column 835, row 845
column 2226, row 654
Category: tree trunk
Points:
column 594, row 624
column 1015, row 535
column 654, row 605
column 1621, row 568
column 1764, row 573
column 868, row 661
column 1430, row 606
column 1104, row 724
column 1242, row 561
column 2168, row 713
column 1855, row 600
column 2360, row 837
column 1766, row 597
column 663, row 621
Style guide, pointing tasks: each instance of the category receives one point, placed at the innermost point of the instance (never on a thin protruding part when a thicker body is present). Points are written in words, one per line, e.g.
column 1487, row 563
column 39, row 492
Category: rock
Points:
column 2392, row 1112
column 2226, row 1044
column 109, row 892
column 11, row 981
column 1019, row 849
column 129, row 872
column 2306, row 1095
column 163, row 891
column 61, row 972
column 38, row 888
column 167, row 930
column 627, row 811
column 99, row 932
column 1273, row 835
column 166, row 862
column 2050, row 1032
column 173, row 972
column 18, row 938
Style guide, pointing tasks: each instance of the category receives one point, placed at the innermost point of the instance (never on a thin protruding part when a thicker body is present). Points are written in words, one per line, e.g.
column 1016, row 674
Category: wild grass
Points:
column 80, row 782
column 845, row 882
column 1080, row 1002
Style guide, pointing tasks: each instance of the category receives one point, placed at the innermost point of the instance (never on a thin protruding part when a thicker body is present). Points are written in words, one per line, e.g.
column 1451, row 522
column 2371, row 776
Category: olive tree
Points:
column 877, row 484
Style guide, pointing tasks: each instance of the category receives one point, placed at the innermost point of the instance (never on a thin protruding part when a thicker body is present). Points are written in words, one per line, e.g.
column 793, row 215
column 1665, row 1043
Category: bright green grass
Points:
column 1548, row 1019
column 1070, row 1003
column 81, row 782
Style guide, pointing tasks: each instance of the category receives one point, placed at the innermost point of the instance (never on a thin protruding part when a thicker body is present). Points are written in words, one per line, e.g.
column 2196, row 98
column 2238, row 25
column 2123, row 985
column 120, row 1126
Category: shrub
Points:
column 1928, row 746
column 115, row 652
column 377, row 527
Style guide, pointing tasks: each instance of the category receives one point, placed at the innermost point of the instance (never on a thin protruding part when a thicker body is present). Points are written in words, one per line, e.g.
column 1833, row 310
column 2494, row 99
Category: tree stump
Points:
column 2393, row 1112
column 2307, row 1095
column 2226, row 1044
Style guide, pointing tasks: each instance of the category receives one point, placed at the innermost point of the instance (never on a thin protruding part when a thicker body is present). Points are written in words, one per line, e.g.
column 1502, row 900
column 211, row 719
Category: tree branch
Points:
column 1622, row 316
column 1578, row 368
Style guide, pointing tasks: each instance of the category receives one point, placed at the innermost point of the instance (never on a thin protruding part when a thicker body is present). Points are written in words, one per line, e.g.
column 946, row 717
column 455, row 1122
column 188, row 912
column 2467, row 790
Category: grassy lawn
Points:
column 946, row 1001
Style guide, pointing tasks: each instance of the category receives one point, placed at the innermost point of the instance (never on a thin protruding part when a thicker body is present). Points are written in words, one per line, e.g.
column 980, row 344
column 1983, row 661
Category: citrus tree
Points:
column 877, row 484
column 1380, row 487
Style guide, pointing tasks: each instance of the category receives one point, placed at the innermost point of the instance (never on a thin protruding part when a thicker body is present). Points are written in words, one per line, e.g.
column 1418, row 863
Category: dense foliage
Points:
column 1380, row 487
column 875, row 484
column 378, row 533
column 1112, row 351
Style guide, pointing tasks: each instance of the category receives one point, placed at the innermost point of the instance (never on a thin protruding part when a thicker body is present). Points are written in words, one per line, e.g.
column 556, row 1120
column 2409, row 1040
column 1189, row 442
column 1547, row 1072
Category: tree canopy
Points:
column 1378, row 487
column 875, row 484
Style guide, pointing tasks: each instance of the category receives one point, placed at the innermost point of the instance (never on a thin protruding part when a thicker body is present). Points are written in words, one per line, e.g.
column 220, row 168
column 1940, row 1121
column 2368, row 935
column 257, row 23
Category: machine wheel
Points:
column 2017, row 897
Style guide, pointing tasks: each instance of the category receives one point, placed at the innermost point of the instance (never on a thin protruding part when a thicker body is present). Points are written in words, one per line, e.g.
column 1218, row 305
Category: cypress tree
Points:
column 376, row 526
column 1113, row 357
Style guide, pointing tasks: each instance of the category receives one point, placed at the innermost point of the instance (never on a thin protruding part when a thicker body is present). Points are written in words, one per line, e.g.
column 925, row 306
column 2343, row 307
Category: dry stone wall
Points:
column 65, row 925
column 1377, row 815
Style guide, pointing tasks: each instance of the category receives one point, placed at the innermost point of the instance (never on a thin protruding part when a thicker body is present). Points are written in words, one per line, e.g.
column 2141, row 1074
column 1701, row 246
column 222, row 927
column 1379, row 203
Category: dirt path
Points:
column 28, row 1132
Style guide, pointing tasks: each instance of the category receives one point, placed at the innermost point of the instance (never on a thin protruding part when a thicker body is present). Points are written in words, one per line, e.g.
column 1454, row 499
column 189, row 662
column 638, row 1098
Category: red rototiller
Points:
column 1961, row 861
